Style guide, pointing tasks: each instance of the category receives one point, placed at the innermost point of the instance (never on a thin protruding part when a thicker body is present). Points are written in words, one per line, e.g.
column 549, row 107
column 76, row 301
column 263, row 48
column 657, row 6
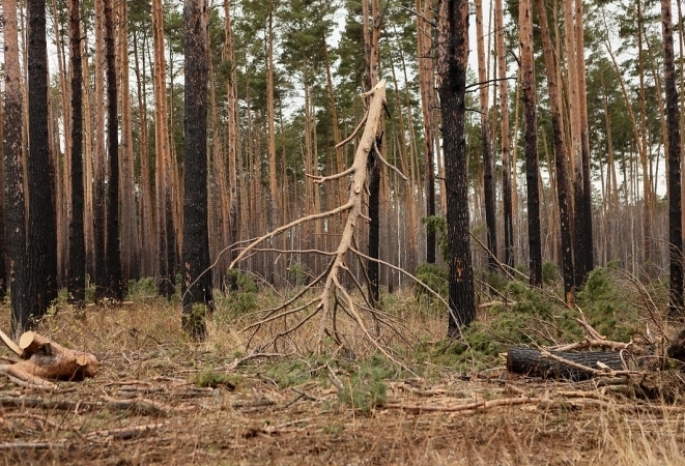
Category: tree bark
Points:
column 14, row 173
column 506, row 161
column 165, row 280
column 115, row 285
column 675, row 236
column 99, row 156
column 77, row 247
column 42, row 258
column 489, row 192
column 531, row 139
column 130, row 250
column 453, row 52
column 561, row 160
column 197, row 275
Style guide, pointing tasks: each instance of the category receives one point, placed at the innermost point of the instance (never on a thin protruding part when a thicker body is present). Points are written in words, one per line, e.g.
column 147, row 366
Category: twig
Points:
column 590, row 343
column 124, row 433
column 32, row 445
column 334, row 379
column 477, row 405
column 254, row 355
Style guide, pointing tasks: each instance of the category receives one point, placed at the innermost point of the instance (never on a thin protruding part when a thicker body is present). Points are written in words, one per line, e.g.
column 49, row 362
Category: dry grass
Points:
column 288, row 411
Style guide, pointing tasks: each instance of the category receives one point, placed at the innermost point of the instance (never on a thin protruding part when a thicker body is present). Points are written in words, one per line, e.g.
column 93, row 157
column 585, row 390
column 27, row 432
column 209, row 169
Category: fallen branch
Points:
column 476, row 405
column 124, row 433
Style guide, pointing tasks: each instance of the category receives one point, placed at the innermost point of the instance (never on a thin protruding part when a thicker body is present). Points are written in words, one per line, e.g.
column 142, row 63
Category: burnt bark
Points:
column 42, row 239
column 675, row 231
column 453, row 51
column 197, row 279
column 115, row 285
column 76, row 281
column 14, row 173
column 530, row 362
column 374, row 225
column 560, row 156
column 531, row 140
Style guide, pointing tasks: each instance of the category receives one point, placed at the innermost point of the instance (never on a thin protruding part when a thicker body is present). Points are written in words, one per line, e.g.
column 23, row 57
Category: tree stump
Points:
column 531, row 362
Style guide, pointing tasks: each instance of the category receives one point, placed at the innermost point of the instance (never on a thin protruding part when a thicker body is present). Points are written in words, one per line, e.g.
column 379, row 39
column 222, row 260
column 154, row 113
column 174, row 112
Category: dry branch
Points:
column 476, row 405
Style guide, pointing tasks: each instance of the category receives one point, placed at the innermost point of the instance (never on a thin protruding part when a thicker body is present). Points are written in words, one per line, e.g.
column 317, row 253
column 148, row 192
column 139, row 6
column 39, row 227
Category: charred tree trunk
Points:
column 115, row 287
column 453, row 52
column 197, row 275
column 531, row 139
column 14, row 172
column 77, row 246
column 561, row 161
column 675, row 236
column 531, row 362
column 488, row 178
column 42, row 258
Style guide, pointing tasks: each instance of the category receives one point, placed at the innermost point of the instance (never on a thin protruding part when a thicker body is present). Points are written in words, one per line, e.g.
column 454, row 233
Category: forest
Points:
column 365, row 204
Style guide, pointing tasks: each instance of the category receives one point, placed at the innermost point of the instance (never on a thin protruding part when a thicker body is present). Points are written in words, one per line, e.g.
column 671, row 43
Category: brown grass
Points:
column 146, row 357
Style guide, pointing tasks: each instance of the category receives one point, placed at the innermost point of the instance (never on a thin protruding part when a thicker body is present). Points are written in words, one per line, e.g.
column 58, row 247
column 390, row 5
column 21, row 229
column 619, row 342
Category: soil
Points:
column 163, row 417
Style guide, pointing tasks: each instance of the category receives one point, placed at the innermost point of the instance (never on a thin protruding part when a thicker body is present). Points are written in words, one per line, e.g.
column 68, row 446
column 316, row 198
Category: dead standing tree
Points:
column 333, row 297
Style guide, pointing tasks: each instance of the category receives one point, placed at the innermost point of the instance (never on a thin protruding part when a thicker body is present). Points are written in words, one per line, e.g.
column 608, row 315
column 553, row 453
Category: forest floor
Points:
column 160, row 399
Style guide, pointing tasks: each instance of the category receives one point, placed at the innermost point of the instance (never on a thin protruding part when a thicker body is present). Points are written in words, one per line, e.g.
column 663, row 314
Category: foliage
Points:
column 606, row 308
column 365, row 389
column 242, row 295
column 550, row 274
column 143, row 289
column 292, row 372
column 534, row 317
column 435, row 278
column 438, row 224
column 213, row 379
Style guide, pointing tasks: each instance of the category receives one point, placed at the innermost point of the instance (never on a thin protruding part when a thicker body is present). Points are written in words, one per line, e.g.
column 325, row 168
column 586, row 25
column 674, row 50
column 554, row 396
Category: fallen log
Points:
column 43, row 360
column 583, row 364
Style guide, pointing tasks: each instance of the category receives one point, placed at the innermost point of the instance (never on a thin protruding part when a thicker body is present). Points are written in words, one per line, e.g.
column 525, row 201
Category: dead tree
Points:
column 332, row 299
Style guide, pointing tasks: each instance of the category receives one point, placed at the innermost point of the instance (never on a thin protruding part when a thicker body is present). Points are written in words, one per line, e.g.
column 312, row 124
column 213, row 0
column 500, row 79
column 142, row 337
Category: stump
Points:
column 531, row 362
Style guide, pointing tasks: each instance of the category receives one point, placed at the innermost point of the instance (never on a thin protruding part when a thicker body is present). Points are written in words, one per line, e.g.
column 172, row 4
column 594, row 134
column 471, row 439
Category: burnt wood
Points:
column 530, row 362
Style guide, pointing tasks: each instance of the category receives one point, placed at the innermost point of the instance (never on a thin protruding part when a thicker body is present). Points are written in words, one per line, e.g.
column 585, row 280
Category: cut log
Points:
column 46, row 359
column 532, row 363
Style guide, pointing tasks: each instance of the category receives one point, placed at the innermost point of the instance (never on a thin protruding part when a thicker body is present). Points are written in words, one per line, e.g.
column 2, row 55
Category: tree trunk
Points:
column 115, row 285
column 130, row 252
column 426, row 85
column 488, row 178
column 99, row 155
column 586, row 232
column 147, row 226
column 14, row 173
column 372, row 24
column 233, row 137
column 561, row 160
column 530, row 362
column 77, row 247
column 197, row 275
column 531, row 139
column 506, row 162
column 675, row 237
column 42, row 265
column 453, row 49
column 165, row 272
